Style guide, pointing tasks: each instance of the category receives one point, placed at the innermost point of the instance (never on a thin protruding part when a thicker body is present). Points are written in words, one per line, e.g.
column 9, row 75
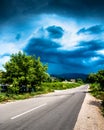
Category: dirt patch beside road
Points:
column 90, row 117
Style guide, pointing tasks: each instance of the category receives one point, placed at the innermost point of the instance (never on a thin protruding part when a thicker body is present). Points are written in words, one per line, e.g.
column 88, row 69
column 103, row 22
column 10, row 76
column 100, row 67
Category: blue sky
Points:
column 67, row 35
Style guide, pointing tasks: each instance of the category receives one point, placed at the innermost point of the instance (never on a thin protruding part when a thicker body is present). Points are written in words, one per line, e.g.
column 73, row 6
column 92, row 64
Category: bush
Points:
column 3, row 97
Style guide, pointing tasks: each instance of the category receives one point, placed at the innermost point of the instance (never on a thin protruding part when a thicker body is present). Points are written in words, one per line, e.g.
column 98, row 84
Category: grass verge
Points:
column 98, row 94
column 43, row 89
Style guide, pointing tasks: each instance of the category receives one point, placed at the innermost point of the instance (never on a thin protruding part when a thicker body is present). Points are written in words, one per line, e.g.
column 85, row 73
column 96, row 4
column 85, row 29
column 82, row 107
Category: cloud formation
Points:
column 78, row 8
column 83, row 56
column 43, row 48
column 97, row 29
column 55, row 32
column 60, row 32
column 18, row 37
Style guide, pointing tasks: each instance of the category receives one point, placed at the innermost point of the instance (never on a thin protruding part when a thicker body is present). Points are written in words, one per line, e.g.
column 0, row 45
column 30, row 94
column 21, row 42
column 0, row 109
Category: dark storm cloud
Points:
column 86, row 49
column 23, row 17
column 83, row 50
column 100, row 61
column 50, row 52
column 97, row 29
column 93, row 45
column 42, row 43
column 80, row 53
column 46, row 49
column 78, row 8
column 43, row 48
column 55, row 32
column 18, row 37
column 17, row 8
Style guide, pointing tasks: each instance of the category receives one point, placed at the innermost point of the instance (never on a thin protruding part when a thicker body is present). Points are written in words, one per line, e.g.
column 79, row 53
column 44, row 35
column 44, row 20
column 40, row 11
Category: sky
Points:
column 68, row 35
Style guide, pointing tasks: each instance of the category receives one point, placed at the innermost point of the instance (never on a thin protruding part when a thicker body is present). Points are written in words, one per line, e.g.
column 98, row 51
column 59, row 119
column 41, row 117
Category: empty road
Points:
column 54, row 111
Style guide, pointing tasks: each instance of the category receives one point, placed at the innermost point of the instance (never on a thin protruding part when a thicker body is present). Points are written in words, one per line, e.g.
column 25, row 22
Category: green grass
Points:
column 3, row 97
column 98, row 94
column 9, row 97
column 44, row 88
column 50, row 87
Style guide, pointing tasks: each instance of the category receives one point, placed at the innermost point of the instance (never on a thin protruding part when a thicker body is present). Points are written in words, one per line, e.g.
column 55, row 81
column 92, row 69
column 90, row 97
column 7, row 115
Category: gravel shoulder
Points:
column 90, row 117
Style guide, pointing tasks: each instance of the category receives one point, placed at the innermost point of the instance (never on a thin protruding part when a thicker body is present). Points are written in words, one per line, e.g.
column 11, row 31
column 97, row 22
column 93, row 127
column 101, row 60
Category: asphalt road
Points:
column 54, row 111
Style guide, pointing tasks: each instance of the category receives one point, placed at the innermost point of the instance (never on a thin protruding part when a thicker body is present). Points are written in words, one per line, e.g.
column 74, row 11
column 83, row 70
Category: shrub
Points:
column 3, row 97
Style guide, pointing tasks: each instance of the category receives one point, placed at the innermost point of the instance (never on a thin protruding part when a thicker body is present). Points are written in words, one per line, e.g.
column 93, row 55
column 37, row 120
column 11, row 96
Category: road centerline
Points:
column 14, row 117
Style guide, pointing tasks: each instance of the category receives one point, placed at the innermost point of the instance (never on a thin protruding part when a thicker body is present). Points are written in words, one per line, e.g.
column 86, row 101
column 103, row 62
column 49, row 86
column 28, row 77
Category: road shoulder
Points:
column 90, row 117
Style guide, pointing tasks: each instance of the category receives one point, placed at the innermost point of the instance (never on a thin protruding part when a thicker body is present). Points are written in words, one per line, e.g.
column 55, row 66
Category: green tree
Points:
column 100, row 79
column 97, row 78
column 25, row 72
column 1, row 74
column 92, row 78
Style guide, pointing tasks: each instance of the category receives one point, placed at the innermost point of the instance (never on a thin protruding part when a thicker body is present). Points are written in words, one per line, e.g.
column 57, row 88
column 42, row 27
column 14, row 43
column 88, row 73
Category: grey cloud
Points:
column 50, row 52
column 97, row 29
column 77, row 8
column 55, row 31
column 43, row 48
column 18, row 37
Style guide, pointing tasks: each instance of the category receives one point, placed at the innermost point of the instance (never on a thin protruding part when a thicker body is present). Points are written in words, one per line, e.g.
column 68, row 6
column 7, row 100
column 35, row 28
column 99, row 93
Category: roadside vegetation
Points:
column 25, row 76
column 43, row 89
column 97, row 86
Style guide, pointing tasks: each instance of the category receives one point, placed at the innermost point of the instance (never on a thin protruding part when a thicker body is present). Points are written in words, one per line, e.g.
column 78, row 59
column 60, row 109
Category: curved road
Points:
column 54, row 111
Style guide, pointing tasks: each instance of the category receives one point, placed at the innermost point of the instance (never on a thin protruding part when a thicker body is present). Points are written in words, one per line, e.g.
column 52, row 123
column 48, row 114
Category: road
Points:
column 54, row 111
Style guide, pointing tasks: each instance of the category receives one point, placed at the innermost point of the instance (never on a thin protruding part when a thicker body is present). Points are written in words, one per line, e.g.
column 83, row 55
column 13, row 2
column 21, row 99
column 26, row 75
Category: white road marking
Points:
column 28, row 111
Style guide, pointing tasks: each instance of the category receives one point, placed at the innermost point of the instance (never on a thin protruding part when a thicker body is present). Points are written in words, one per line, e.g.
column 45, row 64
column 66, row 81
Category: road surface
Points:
column 54, row 111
